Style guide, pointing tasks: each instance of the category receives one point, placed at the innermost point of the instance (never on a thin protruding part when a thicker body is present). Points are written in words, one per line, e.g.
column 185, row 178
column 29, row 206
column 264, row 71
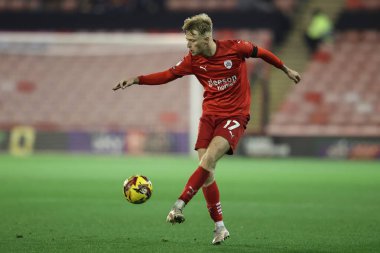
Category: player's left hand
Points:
column 292, row 74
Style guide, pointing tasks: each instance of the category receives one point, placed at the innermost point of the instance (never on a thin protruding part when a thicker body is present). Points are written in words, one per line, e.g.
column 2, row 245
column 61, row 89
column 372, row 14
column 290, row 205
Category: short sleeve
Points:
column 183, row 67
column 244, row 48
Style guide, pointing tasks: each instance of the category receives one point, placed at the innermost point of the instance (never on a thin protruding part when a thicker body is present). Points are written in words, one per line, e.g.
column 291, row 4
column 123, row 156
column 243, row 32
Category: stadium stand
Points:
column 362, row 4
column 144, row 15
column 87, row 6
column 339, row 91
column 286, row 6
column 67, row 86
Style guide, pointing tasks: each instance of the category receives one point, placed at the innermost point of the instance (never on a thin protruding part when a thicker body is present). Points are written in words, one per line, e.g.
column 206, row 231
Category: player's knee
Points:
column 208, row 162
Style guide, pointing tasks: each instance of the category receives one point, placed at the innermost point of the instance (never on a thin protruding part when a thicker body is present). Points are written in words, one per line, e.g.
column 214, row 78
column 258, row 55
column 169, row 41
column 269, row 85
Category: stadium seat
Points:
column 338, row 98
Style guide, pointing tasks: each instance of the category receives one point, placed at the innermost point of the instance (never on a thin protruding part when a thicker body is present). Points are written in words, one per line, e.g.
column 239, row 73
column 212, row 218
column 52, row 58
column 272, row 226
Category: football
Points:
column 137, row 189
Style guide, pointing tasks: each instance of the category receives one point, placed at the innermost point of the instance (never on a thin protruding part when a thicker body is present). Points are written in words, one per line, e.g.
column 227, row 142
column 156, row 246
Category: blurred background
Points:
column 60, row 59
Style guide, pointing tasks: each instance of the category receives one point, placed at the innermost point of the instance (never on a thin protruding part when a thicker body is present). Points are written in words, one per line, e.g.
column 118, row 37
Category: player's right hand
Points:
column 125, row 83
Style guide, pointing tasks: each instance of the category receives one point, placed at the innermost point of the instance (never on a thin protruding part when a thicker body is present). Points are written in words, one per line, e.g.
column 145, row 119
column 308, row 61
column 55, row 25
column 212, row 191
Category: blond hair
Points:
column 201, row 23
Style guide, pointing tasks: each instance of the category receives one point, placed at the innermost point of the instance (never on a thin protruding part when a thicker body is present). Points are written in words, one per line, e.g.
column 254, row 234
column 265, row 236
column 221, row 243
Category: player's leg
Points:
column 210, row 178
column 201, row 153
column 231, row 130
column 210, row 188
column 212, row 196
column 216, row 149
column 205, row 134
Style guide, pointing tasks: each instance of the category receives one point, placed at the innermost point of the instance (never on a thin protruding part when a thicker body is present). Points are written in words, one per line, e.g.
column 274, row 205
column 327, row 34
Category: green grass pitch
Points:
column 74, row 203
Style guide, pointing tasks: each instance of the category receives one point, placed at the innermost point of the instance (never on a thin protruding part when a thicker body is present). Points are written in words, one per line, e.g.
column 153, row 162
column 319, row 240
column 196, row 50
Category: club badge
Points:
column 228, row 64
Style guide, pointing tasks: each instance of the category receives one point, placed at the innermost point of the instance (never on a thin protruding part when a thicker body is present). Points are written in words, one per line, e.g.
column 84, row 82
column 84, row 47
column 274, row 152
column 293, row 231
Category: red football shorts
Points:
column 230, row 128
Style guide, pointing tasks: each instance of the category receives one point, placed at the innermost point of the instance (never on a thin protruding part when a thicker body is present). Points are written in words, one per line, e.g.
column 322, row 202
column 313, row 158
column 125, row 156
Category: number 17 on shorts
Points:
column 231, row 125
column 232, row 129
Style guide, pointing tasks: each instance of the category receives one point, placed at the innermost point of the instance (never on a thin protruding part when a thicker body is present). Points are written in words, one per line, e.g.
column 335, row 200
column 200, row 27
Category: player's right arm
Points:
column 151, row 79
column 182, row 68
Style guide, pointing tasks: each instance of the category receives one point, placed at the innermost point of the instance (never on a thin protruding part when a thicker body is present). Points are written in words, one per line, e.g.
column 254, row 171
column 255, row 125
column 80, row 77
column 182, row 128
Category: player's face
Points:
column 196, row 44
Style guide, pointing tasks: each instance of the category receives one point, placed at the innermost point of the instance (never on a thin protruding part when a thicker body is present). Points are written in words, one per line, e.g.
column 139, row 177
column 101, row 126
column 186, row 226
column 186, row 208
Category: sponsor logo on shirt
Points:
column 222, row 84
column 228, row 64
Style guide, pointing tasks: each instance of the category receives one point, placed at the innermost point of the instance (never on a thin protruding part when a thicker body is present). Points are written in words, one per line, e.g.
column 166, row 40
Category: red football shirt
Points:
column 223, row 77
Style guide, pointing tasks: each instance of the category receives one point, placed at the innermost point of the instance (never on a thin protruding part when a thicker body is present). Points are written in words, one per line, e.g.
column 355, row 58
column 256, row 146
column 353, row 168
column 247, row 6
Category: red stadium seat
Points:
column 339, row 98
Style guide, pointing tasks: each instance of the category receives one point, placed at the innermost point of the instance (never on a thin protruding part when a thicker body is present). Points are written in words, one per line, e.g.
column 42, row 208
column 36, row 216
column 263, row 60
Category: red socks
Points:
column 211, row 194
column 196, row 180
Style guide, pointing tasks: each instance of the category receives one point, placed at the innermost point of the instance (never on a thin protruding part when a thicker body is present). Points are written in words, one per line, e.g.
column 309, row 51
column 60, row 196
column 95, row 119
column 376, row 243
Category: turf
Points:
column 74, row 203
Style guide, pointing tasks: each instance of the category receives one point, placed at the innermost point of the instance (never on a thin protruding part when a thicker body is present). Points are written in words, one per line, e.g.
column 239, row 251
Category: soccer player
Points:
column 220, row 67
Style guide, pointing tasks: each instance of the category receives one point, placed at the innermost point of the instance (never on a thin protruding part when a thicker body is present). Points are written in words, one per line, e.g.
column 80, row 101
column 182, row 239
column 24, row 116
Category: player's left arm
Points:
column 266, row 55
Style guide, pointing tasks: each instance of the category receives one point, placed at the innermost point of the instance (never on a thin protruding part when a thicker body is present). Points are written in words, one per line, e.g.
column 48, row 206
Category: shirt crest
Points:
column 228, row 64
